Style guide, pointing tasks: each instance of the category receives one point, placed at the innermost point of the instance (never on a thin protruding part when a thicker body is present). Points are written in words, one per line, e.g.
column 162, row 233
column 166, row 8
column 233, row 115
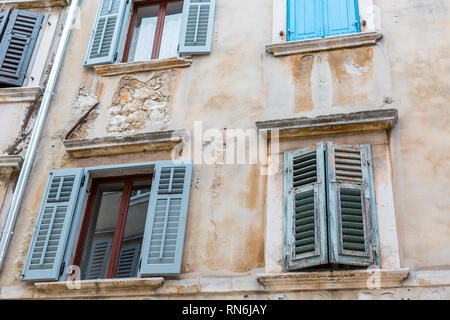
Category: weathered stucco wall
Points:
column 239, row 83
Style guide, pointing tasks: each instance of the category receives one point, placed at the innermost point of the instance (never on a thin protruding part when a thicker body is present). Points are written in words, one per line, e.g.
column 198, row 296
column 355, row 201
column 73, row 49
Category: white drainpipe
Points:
column 37, row 131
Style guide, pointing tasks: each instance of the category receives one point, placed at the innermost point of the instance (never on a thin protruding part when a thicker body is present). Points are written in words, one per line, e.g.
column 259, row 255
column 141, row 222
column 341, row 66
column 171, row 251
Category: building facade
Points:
column 259, row 149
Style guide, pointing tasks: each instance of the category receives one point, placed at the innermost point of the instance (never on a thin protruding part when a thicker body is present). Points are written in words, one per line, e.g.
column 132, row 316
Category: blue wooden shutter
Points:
column 48, row 243
column 351, row 205
column 106, row 33
column 341, row 17
column 197, row 26
column 162, row 246
column 304, row 19
column 98, row 259
column 17, row 45
column 305, row 208
column 4, row 15
column 128, row 261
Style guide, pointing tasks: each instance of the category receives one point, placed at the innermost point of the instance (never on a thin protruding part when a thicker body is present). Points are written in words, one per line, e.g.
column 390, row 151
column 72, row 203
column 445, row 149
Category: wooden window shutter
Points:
column 304, row 19
column 51, row 231
column 98, row 259
column 128, row 261
column 341, row 17
column 197, row 26
column 4, row 15
column 305, row 208
column 162, row 246
column 106, row 33
column 351, row 205
column 17, row 45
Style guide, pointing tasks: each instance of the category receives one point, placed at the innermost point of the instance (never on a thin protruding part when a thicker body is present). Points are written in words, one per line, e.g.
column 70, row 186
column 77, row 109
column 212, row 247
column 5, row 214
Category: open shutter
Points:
column 17, row 45
column 48, row 243
column 305, row 208
column 197, row 26
column 103, row 45
column 128, row 260
column 341, row 17
column 162, row 246
column 4, row 15
column 304, row 19
column 351, row 210
column 98, row 259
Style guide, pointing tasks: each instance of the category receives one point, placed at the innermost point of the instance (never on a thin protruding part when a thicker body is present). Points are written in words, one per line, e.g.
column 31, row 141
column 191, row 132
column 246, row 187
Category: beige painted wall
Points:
column 238, row 84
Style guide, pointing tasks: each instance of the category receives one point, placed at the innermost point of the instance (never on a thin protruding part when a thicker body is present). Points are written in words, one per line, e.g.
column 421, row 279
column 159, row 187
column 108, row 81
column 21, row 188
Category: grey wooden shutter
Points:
column 4, row 15
column 197, row 26
column 305, row 208
column 17, row 45
column 48, row 243
column 162, row 246
column 351, row 205
column 103, row 45
column 98, row 259
column 128, row 261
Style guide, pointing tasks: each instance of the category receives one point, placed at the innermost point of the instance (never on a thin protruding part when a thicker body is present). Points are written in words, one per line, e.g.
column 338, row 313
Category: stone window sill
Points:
column 97, row 288
column 19, row 95
column 330, row 280
column 323, row 44
column 372, row 120
column 151, row 141
column 29, row 4
column 115, row 69
column 9, row 164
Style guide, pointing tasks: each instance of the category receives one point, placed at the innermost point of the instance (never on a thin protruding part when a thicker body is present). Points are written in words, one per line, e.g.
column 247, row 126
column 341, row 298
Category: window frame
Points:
column 113, row 260
column 159, row 26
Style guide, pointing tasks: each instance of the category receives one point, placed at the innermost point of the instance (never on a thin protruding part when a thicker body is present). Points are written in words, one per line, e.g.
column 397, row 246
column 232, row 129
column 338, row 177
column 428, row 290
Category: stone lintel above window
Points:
column 372, row 120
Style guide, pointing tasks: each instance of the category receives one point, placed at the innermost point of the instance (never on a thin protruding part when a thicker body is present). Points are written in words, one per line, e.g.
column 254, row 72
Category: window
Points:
column 330, row 217
column 131, row 31
column 307, row 19
column 19, row 30
column 129, row 226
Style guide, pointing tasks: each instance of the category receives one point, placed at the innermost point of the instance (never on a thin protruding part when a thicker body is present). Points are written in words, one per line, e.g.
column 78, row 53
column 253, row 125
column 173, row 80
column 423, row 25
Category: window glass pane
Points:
column 101, row 231
column 134, row 230
column 144, row 33
column 171, row 32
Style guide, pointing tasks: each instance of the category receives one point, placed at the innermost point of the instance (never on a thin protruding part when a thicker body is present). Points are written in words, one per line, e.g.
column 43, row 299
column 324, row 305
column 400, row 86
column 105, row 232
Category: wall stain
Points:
column 301, row 68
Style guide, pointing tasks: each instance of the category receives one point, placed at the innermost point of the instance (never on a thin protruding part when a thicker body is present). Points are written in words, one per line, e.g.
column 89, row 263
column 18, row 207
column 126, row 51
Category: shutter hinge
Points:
column 178, row 48
column 375, row 250
column 62, row 268
column 83, row 180
column 140, row 263
column 115, row 56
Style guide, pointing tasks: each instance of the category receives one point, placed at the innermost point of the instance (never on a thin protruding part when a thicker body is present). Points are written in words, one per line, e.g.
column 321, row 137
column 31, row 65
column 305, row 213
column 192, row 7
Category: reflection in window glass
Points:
column 144, row 34
column 171, row 31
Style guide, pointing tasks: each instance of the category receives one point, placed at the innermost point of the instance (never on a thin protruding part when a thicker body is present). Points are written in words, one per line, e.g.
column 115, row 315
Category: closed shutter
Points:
column 341, row 17
column 305, row 19
column 17, row 45
column 98, row 259
column 103, row 45
column 305, row 208
column 162, row 246
column 48, row 243
column 351, row 209
column 3, row 21
column 128, row 261
column 197, row 26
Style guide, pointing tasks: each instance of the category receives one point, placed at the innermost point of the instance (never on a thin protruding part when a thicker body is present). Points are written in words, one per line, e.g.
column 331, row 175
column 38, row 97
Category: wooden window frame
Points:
column 114, row 256
column 159, row 26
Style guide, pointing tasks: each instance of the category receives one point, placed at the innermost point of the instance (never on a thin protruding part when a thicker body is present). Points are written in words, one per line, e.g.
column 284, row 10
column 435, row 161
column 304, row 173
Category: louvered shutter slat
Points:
column 163, row 241
column 53, row 224
column 128, row 260
column 197, row 26
column 4, row 16
column 17, row 45
column 352, row 220
column 305, row 228
column 103, row 45
column 98, row 259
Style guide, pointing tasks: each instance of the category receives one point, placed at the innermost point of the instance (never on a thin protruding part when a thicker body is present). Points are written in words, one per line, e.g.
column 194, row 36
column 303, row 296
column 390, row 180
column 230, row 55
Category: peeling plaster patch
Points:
column 139, row 105
column 321, row 82
column 354, row 69
column 84, row 100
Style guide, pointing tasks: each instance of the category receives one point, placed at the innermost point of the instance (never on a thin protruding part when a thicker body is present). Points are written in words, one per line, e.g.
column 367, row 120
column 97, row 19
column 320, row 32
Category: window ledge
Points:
column 29, row 4
column 133, row 67
column 373, row 120
column 97, row 288
column 329, row 280
column 106, row 146
column 8, row 164
column 323, row 44
column 19, row 95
